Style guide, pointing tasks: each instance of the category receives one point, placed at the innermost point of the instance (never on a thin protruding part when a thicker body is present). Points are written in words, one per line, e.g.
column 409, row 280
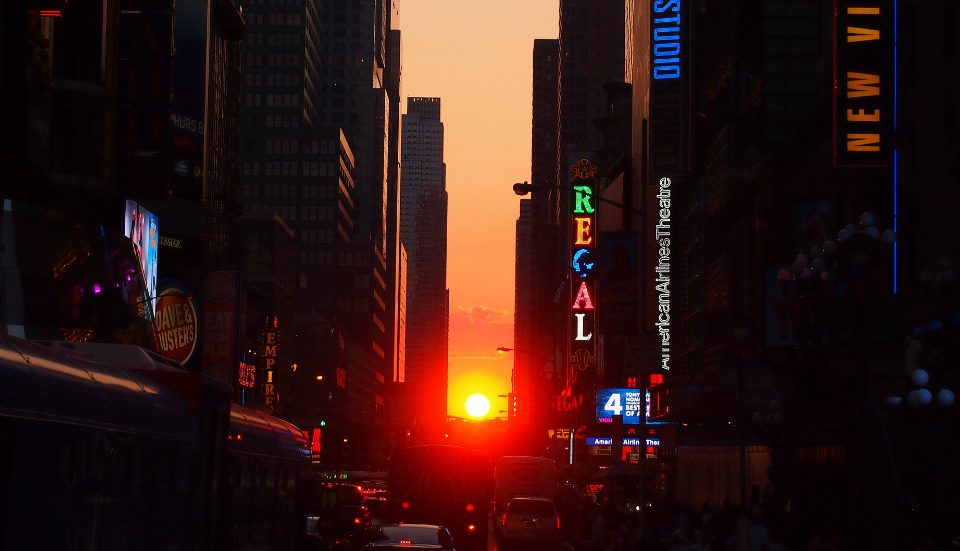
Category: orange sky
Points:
column 477, row 56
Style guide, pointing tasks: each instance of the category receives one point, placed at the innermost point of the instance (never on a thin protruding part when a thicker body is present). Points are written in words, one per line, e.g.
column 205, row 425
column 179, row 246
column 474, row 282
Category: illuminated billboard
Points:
column 668, row 156
column 140, row 226
column 863, row 89
column 629, row 403
column 188, row 93
column 583, row 346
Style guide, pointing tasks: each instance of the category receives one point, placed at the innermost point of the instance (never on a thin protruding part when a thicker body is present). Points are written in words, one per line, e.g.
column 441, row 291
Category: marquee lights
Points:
column 583, row 240
column 583, row 302
column 582, row 266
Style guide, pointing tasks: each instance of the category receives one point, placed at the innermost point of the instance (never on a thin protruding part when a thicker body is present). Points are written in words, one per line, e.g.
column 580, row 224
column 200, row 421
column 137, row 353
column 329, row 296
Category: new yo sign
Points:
column 176, row 325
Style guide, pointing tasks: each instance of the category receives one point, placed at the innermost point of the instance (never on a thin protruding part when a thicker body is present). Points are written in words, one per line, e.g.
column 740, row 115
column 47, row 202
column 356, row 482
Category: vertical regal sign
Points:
column 583, row 344
column 863, row 87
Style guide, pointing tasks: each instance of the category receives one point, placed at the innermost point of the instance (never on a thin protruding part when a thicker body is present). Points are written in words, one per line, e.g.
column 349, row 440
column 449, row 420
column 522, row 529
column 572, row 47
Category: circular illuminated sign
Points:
column 176, row 325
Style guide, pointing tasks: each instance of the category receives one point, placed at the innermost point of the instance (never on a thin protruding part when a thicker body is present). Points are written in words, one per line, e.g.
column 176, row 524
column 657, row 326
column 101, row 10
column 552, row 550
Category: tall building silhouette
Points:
column 423, row 231
column 540, row 269
column 302, row 162
column 360, row 86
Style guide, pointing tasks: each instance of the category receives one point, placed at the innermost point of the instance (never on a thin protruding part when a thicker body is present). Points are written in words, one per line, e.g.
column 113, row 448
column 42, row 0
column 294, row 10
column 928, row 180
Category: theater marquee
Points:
column 863, row 82
column 583, row 305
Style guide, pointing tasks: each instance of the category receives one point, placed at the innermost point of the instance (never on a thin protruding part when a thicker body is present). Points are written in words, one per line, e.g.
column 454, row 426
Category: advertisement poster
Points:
column 188, row 87
column 140, row 226
column 629, row 403
column 221, row 294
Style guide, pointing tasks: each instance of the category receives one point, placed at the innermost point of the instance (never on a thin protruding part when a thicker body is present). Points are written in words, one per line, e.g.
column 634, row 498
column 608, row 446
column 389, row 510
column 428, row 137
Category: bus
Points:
column 138, row 454
column 446, row 485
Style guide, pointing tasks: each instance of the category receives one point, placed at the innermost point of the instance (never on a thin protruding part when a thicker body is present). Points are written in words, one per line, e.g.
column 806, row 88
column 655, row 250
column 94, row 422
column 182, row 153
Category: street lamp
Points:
column 523, row 188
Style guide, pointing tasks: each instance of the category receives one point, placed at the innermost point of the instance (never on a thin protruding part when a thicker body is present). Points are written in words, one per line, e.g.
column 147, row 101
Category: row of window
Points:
column 282, row 121
column 287, row 191
column 272, row 80
column 280, row 146
column 275, row 19
column 287, row 168
column 316, row 235
column 273, row 100
column 314, row 258
column 274, row 60
column 274, row 39
column 274, row 2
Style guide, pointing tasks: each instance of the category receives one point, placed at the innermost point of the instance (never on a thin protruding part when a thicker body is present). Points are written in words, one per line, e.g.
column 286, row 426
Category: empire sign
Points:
column 863, row 87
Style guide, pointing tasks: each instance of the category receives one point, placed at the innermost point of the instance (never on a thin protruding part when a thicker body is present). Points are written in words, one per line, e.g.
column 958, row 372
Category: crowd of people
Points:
column 611, row 522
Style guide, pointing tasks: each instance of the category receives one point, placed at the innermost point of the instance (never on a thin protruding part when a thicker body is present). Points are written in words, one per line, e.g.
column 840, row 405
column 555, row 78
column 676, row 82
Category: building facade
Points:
column 423, row 232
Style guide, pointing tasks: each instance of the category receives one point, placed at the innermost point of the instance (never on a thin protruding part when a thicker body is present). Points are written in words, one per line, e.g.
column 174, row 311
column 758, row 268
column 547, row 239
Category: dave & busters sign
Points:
column 176, row 325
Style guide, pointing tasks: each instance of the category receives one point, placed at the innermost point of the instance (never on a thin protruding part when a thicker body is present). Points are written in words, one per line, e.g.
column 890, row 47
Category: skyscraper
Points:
column 305, row 170
column 423, row 231
column 357, row 89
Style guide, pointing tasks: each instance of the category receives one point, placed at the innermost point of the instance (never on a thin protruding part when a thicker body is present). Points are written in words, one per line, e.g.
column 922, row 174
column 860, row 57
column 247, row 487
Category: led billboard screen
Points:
column 630, row 403
column 140, row 226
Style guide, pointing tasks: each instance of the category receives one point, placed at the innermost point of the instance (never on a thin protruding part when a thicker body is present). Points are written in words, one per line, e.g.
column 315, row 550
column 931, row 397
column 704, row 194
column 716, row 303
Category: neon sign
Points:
column 662, row 272
column 246, row 374
column 269, row 355
column 665, row 32
column 862, row 111
column 584, row 241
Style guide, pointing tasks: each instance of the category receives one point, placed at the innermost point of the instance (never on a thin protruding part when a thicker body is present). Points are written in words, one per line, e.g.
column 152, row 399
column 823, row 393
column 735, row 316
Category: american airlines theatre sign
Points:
column 668, row 157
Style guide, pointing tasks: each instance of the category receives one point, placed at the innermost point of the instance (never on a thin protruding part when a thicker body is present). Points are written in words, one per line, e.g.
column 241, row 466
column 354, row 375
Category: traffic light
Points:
column 513, row 407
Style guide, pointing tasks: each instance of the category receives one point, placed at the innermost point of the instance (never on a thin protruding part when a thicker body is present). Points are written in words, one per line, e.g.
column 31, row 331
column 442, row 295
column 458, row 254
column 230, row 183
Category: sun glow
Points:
column 477, row 405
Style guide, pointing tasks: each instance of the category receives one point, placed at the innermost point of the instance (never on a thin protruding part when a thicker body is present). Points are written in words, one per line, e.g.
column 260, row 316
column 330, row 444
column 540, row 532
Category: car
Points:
column 411, row 536
column 337, row 517
column 530, row 520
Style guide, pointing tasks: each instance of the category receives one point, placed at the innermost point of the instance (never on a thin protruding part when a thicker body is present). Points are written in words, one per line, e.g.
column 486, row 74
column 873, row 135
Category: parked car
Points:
column 530, row 520
column 411, row 536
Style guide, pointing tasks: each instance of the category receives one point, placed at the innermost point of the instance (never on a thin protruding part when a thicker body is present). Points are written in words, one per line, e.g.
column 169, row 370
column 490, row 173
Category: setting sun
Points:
column 477, row 405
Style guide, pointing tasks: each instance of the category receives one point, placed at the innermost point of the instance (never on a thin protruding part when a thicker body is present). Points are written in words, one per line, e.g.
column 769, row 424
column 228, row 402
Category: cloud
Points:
column 477, row 331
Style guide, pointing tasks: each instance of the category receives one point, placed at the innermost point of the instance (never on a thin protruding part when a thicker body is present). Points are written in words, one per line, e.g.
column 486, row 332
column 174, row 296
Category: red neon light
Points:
column 51, row 13
column 656, row 379
column 583, row 295
column 584, row 224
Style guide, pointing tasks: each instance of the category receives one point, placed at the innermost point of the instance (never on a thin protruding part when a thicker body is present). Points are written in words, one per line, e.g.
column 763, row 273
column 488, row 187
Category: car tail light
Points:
column 406, row 542
column 469, row 507
column 558, row 522
column 405, row 505
column 503, row 520
column 471, row 528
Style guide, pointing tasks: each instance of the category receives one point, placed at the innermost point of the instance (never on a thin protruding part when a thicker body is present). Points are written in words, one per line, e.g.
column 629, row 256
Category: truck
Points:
column 522, row 475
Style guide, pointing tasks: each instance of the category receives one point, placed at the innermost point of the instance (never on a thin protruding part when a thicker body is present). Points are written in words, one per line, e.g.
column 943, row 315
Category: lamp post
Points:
column 533, row 408
column 523, row 188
